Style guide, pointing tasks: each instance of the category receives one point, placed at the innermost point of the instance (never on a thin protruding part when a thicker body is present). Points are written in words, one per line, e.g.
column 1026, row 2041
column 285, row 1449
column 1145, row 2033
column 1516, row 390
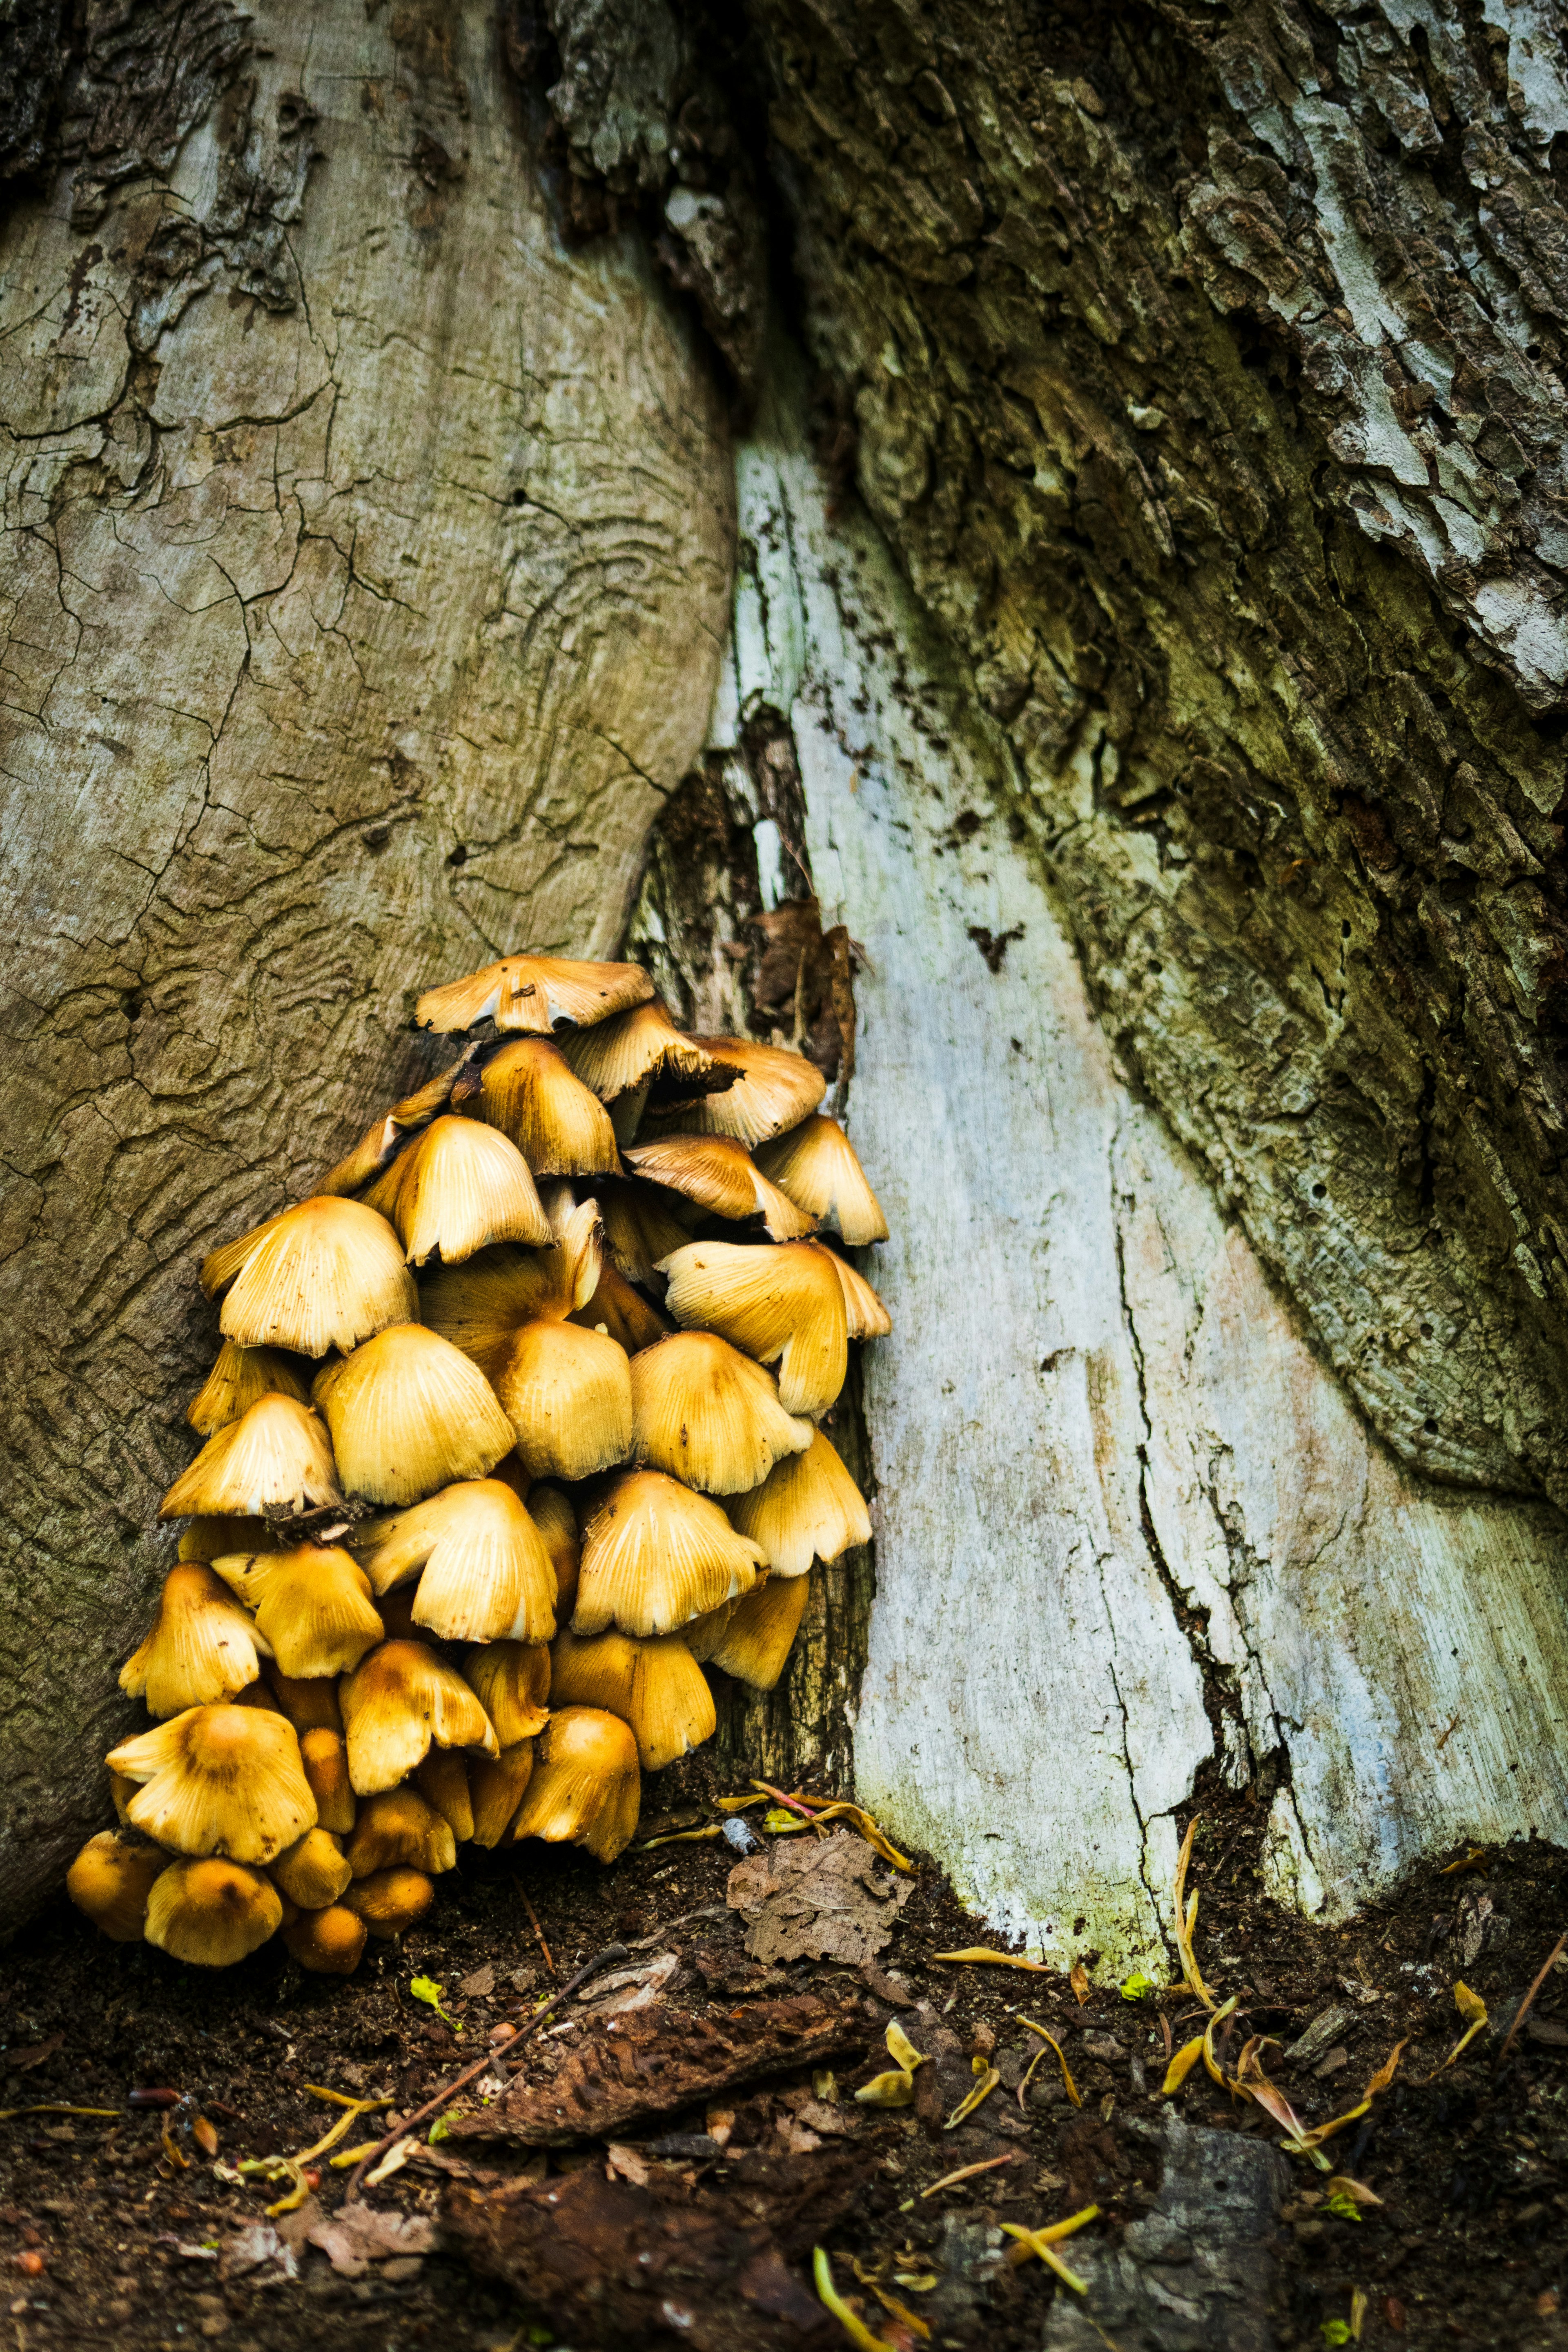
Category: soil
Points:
column 104, row 2240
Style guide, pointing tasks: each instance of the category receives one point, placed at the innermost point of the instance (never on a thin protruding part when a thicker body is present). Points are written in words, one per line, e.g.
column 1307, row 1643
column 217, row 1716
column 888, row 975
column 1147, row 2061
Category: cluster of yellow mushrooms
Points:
column 456, row 1550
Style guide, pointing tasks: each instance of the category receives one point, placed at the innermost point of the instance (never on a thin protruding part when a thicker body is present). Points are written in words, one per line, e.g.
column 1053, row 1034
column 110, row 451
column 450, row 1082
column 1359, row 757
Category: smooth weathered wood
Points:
column 365, row 563
column 1129, row 1521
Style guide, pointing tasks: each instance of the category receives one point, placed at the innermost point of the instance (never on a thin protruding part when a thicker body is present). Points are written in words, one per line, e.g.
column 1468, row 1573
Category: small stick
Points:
column 1521, row 2011
column 537, row 1929
column 611, row 1957
column 967, row 2172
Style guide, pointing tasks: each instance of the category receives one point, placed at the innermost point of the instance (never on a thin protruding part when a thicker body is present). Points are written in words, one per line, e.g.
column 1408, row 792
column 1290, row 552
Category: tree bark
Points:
column 366, row 557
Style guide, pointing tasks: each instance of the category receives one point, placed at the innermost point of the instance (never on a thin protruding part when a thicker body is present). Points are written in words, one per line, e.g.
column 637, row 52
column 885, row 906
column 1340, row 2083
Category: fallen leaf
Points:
column 255, row 2248
column 854, row 2327
column 978, row 1952
column 981, row 2093
column 1050, row 2040
column 1182, row 2065
column 1136, row 1986
column 359, row 2235
column 819, row 1901
column 1077, row 1977
column 426, row 1989
column 480, row 1985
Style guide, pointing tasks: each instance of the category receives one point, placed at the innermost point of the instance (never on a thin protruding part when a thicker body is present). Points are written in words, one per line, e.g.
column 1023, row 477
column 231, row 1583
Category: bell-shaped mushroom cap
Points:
column 443, row 1781
column 399, row 1826
column 390, row 1900
column 654, row 1686
column 481, row 1306
column 709, row 1415
column 585, row 1788
column 774, row 1092
column 757, row 1633
column 496, row 1789
column 383, row 1139
column 784, row 1306
column 279, row 1454
column 551, row 1510
column 815, row 1164
column 218, row 1779
column 211, row 1914
column 313, row 1872
column 622, row 1313
column 110, row 1880
column 720, row 1176
column 655, row 1555
column 310, row 1701
column 400, row 1699
column 458, row 1188
column 568, row 1395
column 408, row 1413
column 807, row 1507
column 324, row 1756
column 631, row 1049
column 208, row 1539
column 640, row 1228
column 532, row 995
column 487, row 1574
column 512, row 1682
column 329, row 1943
column 868, row 1317
column 561, row 1128
column 312, row 1605
column 327, row 1273
column 202, row 1646
column 239, row 1379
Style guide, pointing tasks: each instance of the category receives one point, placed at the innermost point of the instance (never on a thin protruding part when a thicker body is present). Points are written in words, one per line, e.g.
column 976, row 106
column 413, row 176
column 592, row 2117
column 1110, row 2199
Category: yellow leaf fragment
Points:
column 976, row 1952
column 1187, row 1919
column 1182, row 2065
column 901, row 2050
column 894, row 2089
column 901, row 2311
column 854, row 2326
column 1071, row 2086
column 1038, row 2244
column 1077, row 1977
column 1473, row 2009
column 978, row 2097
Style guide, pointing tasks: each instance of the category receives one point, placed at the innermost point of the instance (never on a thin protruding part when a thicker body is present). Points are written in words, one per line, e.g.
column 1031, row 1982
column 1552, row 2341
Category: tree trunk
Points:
column 1146, row 643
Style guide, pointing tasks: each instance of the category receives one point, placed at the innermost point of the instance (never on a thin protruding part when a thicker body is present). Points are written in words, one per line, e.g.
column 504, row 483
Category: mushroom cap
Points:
column 550, row 1508
column 622, row 1313
column 310, row 1701
column 482, row 1306
column 279, row 1454
column 774, row 1091
column 535, row 995
column 720, row 1176
column 458, row 1188
column 313, row 1871
column 568, row 1395
column 757, row 1633
column 399, row 1700
column 390, row 1900
column 656, row 1686
column 655, row 1555
column 386, row 1135
column 110, row 1880
column 239, row 1377
column 312, row 1605
column 329, row 1943
column 807, row 1507
column 326, row 1274
column 640, row 1228
column 709, row 1415
column 585, row 1788
column 632, row 1049
column 868, row 1317
column 325, row 1757
column 399, row 1825
column 408, row 1413
column 218, row 1781
column 206, row 1539
column 443, row 1781
column 816, row 1165
column 211, row 1914
column 512, row 1682
column 497, row 1789
column 487, row 1574
column 203, row 1647
column 527, row 1091
column 782, row 1305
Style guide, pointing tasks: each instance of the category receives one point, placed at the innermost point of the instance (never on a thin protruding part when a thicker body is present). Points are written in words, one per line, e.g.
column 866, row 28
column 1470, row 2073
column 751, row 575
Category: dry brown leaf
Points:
column 818, row 1902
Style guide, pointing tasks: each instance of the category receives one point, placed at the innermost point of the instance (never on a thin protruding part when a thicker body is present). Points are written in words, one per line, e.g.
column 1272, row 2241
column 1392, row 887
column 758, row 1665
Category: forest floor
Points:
column 104, row 2239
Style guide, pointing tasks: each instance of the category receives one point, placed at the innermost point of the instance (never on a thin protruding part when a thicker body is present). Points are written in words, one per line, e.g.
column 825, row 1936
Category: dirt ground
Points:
column 103, row 2240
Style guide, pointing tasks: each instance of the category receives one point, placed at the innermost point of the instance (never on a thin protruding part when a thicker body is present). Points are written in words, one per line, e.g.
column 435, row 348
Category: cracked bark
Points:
column 366, row 561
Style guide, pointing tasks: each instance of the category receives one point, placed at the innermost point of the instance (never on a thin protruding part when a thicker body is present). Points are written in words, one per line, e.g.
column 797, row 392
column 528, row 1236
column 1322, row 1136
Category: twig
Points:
column 537, row 1930
column 708, row 1911
column 1520, row 2012
column 611, row 1957
column 967, row 2172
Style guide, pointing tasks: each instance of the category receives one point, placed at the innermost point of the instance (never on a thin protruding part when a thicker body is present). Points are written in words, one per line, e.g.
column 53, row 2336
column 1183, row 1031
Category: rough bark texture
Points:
column 1132, row 1533
column 1207, row 378
column 365, row 566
